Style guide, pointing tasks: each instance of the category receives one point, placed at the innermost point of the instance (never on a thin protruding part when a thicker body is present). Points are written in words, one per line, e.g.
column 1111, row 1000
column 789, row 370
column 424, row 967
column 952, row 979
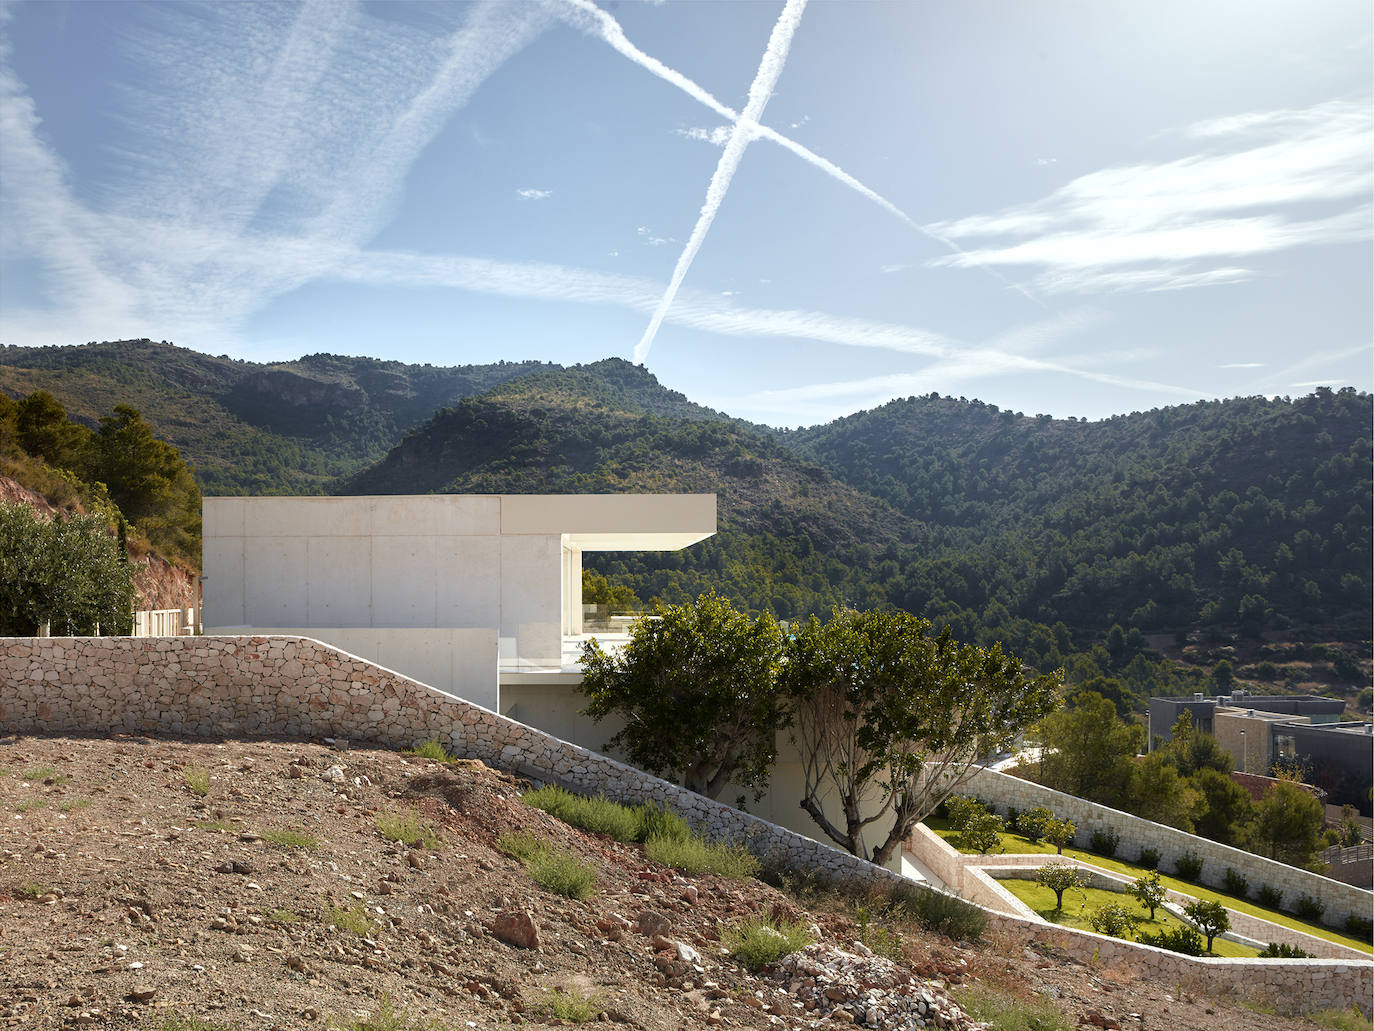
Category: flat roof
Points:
column 590, row 522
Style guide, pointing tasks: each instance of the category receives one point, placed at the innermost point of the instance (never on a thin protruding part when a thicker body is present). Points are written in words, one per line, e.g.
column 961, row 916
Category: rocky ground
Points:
column 128, row 900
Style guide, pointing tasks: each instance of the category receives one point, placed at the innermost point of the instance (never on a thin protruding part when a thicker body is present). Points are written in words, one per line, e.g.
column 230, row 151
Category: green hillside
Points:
column 247, row 428
column 792, row 538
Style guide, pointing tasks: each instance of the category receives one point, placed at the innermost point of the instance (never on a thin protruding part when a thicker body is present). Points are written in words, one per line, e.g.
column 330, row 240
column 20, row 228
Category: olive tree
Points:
column 1210, row 917
column 1059, row 878
column 890, row 718
column 697, row 687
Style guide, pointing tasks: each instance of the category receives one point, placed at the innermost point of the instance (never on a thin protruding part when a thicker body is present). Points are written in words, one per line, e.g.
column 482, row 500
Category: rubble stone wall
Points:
column 211, row 687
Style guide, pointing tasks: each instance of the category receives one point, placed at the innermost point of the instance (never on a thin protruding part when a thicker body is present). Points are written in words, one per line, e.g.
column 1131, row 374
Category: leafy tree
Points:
column 697, row 688
column 982, row 831
column 1059, row 878
column 1209, row 917
column 65, row 572
column 1190, row 750
column 1287, row 824
column 597, row 590
column 1034, row 822
column 1226, row 809
column 891, row 717
column 1149, row 891
column 42, row 429
column 1087, row 750
column 1158, row 793
column 1060, row 833
column 145, row 476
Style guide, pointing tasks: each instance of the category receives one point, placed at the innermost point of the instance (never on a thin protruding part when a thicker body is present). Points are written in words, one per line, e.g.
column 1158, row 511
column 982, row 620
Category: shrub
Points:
column 408, row 828
column 1033, row 822
column 960, row 808
column 1210, row 917
column 599, row 815
column 661, row 822
column 1309, row 908
column 354, row 919
column 287, row 838
column 1060, row 833
column 758, row 942
column 1059, row 878
column 432, row 749
column 944, row 914
column 1104, row 841
column 1271, row 897
column 1000, row 1011
column 570, row 1005
column 1359, row 926
column 1282, row 950
column 1149, row 858
column 197, row 780
column 552, row 867
column 1189, row 866
column 694, row 856
column 982, row 831
column 881, row 941
column 1175, row 939
column 1236, row 883
column 1113, row 918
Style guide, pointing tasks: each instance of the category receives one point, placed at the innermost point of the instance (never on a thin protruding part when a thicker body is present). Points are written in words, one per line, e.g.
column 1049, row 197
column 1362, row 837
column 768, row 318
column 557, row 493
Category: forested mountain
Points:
column 1250, row 512
column 282, row 428
column 1161, row 551
column 792, row 538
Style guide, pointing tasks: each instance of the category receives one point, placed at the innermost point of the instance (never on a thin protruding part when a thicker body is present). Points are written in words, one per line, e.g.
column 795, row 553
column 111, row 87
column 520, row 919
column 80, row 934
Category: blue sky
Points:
column 787, row 210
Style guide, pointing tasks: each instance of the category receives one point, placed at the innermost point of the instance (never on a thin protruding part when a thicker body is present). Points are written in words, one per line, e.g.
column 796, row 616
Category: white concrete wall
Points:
column 438, row 561
column 556, row 709
column 458, row 662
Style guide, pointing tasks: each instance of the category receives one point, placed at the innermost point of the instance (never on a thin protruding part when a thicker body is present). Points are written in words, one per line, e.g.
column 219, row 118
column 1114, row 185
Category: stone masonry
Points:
column 296, row 687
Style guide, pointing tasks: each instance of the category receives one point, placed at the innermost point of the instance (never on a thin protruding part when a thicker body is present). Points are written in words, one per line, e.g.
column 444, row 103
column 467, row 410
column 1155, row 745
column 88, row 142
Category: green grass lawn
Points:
column 1080, row 902
column 1015, row 844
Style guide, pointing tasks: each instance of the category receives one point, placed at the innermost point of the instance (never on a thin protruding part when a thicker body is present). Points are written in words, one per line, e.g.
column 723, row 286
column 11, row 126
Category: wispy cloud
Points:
column 1242, row 365
column 741, row 134
column 585, row 15
column 1165, row 226
column 651, row 238
column 532, row 194
column 718, row 136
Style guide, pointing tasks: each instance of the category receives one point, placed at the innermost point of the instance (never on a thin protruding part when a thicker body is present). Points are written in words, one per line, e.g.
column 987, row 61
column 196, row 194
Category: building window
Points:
column 1286, row 745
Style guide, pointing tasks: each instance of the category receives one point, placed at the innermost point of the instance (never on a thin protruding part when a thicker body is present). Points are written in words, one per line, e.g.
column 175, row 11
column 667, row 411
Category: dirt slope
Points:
column 128, row 901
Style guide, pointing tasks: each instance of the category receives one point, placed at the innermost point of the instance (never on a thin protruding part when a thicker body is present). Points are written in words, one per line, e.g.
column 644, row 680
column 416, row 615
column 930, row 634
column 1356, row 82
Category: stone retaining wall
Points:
column 1006, row 791
column 297, row 687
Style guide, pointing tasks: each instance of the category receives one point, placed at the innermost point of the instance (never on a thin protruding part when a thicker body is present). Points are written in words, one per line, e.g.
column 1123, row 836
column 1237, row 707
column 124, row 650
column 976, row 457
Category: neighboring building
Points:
column 459, row 591
column 1260, row 730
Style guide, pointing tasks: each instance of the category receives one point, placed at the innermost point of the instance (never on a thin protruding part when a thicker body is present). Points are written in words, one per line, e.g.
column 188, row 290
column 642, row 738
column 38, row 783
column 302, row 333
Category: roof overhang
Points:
column 613, row 522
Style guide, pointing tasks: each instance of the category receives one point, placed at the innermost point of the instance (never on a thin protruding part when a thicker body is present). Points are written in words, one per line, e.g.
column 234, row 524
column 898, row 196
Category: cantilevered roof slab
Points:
column 613, row 522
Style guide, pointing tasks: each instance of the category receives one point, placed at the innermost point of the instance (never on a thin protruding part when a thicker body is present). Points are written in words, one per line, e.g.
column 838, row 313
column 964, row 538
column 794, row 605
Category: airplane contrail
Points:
column 741, row 134
column 611, row 32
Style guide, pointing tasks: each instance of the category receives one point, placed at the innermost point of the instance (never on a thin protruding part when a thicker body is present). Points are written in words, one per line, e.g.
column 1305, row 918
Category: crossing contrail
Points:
column 604, row 25
column 741, row 134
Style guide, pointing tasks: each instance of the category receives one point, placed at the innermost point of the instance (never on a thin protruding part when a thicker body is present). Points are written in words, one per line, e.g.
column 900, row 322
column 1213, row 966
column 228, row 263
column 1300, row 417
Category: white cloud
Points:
column 1242, row 365
column 1165, row 226
column 890, row 269
column 532, row 194
column 1046, row 161
column 651, row 238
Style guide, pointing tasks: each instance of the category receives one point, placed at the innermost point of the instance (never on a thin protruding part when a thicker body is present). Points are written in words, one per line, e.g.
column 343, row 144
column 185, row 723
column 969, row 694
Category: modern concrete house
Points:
column 1260, row 730
column 461, row 592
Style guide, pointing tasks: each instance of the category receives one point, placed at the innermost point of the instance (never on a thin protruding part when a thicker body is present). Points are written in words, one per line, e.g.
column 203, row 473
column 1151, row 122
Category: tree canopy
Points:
column 890, row 716
column 697, row 687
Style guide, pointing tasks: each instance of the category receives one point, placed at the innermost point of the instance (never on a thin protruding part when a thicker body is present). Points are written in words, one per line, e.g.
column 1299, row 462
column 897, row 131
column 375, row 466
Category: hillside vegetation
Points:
column 248, row 428
column 1167, row 551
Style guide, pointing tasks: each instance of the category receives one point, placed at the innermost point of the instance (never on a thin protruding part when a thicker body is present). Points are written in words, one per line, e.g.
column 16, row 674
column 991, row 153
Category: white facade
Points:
column 449, row 589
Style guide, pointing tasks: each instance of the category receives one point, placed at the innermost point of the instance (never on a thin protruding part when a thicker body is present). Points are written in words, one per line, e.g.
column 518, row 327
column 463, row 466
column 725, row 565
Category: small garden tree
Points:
column 1149, row 892
column 1287, row 823
column 1210, row 918
column 891, row 717
column 1060, row 833
column 697, row 688
column 1034, row 822
column 1059, row 878
column 982, row 831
